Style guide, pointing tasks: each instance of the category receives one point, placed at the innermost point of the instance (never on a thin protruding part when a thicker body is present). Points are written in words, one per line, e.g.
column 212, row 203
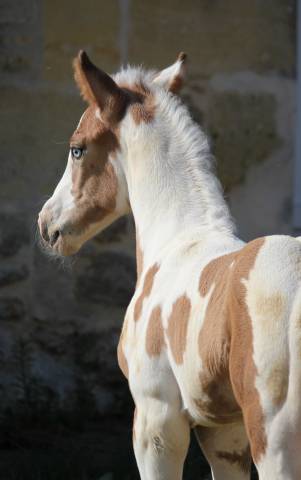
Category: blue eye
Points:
column 77, row 152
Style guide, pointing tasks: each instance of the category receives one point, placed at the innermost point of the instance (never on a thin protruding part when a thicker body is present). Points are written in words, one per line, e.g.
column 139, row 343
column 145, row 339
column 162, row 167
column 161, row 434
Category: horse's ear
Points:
column 172, row 78
column 97, row 87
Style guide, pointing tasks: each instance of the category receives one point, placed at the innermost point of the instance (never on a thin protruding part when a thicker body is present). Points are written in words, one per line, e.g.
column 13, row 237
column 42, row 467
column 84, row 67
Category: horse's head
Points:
column 93, row 191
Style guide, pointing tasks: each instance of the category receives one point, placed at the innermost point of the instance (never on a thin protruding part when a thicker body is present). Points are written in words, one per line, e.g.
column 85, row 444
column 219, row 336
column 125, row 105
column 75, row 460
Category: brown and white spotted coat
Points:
column 212, row 337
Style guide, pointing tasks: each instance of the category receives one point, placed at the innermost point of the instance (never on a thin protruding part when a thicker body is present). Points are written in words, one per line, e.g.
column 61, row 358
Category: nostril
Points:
column 44, row 232
column 53, row 237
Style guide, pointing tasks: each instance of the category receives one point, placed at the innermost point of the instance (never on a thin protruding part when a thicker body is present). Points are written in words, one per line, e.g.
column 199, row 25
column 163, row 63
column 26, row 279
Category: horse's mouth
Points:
column 57, row 245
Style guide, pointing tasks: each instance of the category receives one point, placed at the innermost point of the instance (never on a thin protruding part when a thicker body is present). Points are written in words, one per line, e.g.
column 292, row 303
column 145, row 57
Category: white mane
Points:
column 189, row 152
column 199, row 161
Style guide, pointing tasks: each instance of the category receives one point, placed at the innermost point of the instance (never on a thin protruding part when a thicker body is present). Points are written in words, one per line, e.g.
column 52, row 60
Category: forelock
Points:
column 133, row 76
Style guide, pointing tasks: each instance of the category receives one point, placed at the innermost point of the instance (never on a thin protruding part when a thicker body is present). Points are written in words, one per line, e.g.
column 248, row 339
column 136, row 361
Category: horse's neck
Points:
column 166, row 219
column 174, row 194
column 163, row 214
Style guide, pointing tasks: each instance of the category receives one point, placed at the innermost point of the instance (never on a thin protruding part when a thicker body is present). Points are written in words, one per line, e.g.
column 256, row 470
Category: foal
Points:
column 212, row 337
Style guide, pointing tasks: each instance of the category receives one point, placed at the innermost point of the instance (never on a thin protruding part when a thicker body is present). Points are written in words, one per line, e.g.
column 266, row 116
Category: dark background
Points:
column 65, row 409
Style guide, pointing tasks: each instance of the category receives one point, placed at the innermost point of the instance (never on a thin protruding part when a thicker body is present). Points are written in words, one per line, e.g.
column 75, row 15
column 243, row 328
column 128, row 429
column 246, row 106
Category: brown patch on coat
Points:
column 226, row 342
column 177, row 327
column 154, row 340
column 139, row 257
column 146, row 290
column 217, row 269
column 142, row 113
column 141, row 103
column 269, row 312
column 122, row 361
column 271, row 307
column 94, row 181
column 217, row 402
column 242, row 458
column 243, row 371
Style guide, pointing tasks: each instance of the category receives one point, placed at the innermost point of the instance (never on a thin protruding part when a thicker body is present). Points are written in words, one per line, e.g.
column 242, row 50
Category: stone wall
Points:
column 59, row 323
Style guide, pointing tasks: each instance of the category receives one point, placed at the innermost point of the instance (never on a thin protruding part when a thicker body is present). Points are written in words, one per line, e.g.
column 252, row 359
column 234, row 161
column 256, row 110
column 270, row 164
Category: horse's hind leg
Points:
column 227, row 451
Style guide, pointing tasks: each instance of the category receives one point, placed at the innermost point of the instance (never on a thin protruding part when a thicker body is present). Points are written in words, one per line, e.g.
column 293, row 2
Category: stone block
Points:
column 218, row 36
column 20, row 40
column 11, row 308
column 36, row 128
column 114, row 232
column 243, row 131
column 10, row 275
column 109, row 278
column 13, row 234
column 94, row 26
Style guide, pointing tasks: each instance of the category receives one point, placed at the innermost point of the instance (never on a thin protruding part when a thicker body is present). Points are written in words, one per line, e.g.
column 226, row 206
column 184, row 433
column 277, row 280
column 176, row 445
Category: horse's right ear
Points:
column 172, row 78
column 97, row 87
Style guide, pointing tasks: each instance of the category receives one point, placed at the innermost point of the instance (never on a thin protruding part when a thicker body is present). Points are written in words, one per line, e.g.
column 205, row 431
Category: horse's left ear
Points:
column 98, row 88
column 172, row 78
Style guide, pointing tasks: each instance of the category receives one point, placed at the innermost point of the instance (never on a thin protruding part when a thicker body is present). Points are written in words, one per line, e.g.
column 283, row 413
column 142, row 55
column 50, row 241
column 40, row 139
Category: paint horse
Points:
column 211, row 340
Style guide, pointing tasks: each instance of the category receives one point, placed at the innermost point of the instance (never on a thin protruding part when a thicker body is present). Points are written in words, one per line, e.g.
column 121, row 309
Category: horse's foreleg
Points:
column 161, row 438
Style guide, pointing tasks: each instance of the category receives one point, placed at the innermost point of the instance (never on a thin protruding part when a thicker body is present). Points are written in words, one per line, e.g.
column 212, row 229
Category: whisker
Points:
column 64, row 263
